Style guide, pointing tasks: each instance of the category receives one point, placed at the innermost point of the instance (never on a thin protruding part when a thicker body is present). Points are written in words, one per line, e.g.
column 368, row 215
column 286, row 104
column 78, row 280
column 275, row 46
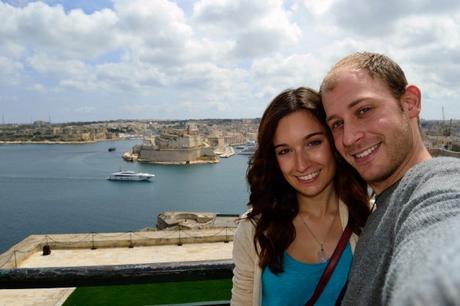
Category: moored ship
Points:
column 249, row 149
column 130, row 176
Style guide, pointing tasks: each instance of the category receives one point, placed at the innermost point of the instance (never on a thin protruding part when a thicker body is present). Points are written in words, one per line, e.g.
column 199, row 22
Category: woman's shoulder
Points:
column 246, row 224
column 245, row 220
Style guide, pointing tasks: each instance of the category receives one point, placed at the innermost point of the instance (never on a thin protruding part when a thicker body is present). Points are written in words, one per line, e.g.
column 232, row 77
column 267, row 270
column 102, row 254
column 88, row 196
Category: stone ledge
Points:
column 17, row 254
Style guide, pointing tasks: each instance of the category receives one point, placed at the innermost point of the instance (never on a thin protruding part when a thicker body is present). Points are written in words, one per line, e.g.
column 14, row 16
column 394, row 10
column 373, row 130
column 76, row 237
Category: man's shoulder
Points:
column 437, row 164
column 430, row 188
column 431, row 181
column 437, row 170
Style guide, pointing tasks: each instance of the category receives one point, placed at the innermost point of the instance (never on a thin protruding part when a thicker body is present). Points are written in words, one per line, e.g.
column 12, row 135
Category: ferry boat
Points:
column 130, row 176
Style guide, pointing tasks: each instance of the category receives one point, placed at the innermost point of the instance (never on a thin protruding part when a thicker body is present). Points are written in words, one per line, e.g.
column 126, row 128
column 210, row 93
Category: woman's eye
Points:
column 282, row 151
column 314, row 143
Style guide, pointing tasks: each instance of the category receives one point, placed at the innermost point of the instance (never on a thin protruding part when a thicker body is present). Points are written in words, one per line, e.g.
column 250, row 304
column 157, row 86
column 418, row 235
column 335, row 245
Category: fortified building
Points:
column 174, row 146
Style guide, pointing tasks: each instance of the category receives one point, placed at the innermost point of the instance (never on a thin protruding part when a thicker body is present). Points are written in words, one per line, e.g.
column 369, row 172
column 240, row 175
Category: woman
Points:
column 302, row 195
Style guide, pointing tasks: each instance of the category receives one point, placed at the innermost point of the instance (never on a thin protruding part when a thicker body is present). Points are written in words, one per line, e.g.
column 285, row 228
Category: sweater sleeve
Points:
column 244, row 258
column 430, row 277
column 425, row 257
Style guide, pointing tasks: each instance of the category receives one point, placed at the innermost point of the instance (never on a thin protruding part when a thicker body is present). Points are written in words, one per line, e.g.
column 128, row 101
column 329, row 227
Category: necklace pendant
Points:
column 322, row 255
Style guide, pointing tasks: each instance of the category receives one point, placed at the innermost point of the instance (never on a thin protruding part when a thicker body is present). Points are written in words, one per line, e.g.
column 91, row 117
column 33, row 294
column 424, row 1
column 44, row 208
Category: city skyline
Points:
column 156, row 59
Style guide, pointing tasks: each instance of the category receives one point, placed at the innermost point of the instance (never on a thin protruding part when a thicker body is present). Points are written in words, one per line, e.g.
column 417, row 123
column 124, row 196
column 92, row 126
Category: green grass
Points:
column 151, row 294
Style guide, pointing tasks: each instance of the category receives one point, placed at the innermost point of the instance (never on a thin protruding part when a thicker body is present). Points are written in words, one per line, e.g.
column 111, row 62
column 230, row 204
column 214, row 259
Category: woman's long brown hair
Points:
column 273, row 201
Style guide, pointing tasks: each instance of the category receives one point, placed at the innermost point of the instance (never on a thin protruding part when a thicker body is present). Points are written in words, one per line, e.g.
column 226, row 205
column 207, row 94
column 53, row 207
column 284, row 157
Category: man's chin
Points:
column 376, row 181
column 368, row 176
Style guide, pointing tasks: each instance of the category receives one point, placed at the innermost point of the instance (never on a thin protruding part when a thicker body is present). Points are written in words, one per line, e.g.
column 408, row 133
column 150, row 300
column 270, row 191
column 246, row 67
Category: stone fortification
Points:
column 185, row 220
column 174, row 146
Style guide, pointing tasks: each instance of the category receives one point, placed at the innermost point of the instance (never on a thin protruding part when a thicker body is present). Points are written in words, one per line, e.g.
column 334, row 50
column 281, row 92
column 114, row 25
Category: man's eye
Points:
column 364, row 110
column 336, row 124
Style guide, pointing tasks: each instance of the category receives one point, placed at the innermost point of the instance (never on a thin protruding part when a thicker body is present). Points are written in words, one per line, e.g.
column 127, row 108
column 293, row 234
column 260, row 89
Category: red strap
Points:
column 331, row 265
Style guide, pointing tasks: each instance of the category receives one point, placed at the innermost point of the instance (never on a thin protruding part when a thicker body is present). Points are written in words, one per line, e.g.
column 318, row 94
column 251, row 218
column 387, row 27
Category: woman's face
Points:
column 304, row 153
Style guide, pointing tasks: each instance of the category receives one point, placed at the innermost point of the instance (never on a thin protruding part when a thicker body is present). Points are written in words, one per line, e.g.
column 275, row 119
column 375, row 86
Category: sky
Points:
column 93, row 60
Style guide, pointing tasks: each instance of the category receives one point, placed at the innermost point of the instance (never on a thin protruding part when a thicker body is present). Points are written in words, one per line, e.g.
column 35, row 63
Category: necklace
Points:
column 321, row 253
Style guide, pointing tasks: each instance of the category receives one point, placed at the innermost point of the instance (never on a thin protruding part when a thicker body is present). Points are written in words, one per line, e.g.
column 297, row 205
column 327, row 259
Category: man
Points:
column 408, row 251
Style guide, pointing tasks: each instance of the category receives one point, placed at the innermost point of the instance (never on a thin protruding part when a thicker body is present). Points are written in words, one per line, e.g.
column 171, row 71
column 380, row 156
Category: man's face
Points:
column 370, row 130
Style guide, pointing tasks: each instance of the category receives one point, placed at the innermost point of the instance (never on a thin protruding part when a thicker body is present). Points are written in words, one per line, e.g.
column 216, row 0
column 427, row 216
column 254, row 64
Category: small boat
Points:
column 250, row 149
column 111, row 149
column 130, row 176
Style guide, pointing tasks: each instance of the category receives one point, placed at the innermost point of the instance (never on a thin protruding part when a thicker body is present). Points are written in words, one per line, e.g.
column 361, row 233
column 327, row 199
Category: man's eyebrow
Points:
column 305, row 138
column 351, row 105
column 331, row 118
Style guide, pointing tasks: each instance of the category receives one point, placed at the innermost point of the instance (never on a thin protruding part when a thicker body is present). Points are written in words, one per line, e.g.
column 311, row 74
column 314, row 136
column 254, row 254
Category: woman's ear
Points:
column 412, row 101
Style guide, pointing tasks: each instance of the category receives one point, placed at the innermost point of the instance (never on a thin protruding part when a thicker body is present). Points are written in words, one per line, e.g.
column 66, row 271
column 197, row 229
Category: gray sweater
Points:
column 409, row 252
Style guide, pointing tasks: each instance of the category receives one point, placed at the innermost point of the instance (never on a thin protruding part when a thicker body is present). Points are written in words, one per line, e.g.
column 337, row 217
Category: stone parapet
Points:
column 35, row 243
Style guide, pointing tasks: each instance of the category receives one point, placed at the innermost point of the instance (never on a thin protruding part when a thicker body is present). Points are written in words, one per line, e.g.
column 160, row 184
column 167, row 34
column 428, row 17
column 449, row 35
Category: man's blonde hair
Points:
column 378, row 66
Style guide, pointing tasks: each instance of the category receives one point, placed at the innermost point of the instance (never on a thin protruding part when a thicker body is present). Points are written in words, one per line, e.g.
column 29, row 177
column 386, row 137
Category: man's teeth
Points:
column 309, row 176
column 367, row 152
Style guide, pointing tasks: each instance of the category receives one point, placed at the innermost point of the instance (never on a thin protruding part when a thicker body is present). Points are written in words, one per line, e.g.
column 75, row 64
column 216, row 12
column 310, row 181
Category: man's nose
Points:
column 351, row 134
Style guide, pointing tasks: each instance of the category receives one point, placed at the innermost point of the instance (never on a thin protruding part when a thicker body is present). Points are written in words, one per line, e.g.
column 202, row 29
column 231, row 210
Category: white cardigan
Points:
column 247, row 274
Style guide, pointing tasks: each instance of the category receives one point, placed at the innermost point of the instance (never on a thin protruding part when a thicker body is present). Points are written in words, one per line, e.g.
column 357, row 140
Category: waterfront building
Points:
column 174, row 146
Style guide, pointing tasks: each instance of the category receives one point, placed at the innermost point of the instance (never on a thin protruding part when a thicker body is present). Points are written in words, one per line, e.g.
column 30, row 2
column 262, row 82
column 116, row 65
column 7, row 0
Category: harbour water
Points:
column 62, row 188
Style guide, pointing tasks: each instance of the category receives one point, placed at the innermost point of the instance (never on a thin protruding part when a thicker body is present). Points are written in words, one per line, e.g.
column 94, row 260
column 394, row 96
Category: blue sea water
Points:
column 46, row 189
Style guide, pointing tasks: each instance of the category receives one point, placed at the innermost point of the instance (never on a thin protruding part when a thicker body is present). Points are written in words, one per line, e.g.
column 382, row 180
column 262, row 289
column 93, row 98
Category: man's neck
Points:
column 420, row 154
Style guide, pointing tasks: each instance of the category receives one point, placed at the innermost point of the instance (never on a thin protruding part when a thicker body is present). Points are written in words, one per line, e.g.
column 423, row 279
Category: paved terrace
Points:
column 71, row 250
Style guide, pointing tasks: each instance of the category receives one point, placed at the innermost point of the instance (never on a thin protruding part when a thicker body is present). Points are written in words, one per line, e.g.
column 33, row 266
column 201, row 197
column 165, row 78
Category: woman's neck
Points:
column 323, row 204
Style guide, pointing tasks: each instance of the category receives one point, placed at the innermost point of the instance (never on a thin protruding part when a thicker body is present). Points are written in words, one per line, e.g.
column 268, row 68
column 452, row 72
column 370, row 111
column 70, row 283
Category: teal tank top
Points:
column 296, row 284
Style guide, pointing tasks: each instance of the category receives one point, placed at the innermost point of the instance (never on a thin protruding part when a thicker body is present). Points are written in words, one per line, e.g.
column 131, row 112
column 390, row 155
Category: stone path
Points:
column 34, row 297
column 136, row 255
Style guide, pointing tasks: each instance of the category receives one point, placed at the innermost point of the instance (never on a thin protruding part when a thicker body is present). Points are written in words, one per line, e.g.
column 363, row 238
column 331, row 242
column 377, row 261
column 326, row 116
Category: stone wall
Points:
column 148, row 154
column 34, row 243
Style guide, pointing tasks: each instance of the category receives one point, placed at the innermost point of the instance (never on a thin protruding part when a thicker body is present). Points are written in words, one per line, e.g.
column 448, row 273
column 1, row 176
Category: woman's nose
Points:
column 302, row 161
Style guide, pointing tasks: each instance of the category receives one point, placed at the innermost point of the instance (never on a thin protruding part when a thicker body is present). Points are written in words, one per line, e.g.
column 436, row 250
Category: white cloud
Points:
column 318, row 7
column 278, row 73
column 38, row 87
column 216, row 58
column 42, row 28
column 255, row 27
column 157, row 32
column 369, row 18
column 12, row 49
column 156, row 23
column 46, row 64
column 10, row 71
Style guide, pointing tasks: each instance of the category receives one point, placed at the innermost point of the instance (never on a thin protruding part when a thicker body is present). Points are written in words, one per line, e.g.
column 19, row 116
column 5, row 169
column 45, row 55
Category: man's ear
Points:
column 412, row 101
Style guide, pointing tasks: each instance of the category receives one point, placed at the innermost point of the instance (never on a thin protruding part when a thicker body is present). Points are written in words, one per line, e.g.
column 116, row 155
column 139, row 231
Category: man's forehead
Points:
column 348, row 83
column 344, row 74
column 340, row 96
